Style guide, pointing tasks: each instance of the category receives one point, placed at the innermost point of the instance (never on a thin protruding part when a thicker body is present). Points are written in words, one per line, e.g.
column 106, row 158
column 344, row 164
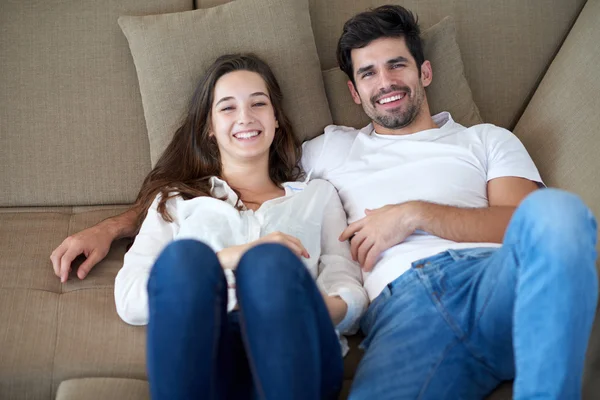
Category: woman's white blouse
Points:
column 312, row 212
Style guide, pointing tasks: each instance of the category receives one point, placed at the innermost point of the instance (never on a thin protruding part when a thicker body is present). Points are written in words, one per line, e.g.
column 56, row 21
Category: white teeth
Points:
column 390, row 99
column 246, row 135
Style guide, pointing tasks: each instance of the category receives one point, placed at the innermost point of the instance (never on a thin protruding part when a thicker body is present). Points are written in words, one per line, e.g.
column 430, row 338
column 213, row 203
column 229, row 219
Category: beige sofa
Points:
column 74, row 150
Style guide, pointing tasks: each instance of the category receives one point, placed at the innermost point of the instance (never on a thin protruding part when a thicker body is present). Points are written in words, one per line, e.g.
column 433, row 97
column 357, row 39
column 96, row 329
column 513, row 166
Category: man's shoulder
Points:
column 345, row 131
column 334, row 135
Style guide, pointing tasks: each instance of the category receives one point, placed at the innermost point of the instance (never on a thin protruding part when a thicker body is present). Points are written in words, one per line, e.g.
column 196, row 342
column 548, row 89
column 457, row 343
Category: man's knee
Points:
column 558, row 216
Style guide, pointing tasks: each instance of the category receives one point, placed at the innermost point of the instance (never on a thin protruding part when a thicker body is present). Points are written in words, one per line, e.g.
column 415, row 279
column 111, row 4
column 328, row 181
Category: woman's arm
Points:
column 131, row 293
column 340, row 277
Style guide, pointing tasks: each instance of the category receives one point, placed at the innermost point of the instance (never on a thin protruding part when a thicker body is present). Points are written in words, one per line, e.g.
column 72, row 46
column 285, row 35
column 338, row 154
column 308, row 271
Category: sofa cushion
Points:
column 93, row 341
column 27, row 340
column 560, row 125
column 103, row 389
column 449, row 90
column 171, row 52
column 72, row 129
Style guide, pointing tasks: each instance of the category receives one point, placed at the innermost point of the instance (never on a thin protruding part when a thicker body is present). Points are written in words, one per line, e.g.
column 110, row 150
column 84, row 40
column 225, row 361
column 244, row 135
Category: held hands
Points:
column 230, row 257
column 379, row 230
column 94, row 243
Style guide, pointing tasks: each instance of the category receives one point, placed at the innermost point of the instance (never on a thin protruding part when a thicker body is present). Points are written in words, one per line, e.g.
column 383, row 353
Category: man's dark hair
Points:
column 381, row 22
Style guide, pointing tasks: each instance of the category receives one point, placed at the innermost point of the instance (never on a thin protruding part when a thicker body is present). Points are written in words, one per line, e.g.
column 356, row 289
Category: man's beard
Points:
column 397, row 118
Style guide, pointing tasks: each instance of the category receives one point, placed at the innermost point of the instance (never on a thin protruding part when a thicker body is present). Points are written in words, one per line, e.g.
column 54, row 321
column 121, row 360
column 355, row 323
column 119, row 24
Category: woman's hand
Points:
column 230, row 256
column 336, row 306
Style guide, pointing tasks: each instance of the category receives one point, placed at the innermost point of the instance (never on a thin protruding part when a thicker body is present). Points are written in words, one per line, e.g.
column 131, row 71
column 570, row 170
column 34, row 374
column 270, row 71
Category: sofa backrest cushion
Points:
column 172, row 51
column 71, row 122
column 561, row 125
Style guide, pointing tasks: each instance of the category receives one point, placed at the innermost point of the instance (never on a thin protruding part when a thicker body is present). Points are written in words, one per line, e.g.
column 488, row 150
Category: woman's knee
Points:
column 186, row 264
column 270, row 261
column 271, row 274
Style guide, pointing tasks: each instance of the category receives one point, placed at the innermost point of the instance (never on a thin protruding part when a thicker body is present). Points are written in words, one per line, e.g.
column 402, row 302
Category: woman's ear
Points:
column 276, row 124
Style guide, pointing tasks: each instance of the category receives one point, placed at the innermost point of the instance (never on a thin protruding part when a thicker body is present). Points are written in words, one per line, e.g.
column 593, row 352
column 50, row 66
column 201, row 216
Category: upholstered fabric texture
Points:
column 103, row 389
column 72, row 130
column 449, row 90
column 561, row 125
column 172, row 51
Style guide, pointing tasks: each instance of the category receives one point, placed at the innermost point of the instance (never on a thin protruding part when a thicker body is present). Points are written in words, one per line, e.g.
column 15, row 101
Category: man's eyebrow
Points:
column 255, row 94
column 397, row 60
column 391, row 61
column 364, row 69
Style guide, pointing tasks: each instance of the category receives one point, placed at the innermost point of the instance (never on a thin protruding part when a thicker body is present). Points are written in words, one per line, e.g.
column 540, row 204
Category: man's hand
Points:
column 94, row 243
column 379, row 230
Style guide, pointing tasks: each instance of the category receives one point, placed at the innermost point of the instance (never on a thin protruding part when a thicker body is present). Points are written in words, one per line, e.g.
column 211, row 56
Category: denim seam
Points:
column 217, row 338
column 440, row 307
column 251, row 364
column 483, row 359
column 461, row 336
column 435, row 367
column 249, row 356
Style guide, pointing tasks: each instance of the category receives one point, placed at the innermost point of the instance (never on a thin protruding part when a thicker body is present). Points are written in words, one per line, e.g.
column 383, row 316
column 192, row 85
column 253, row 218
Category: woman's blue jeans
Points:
column 281, row 344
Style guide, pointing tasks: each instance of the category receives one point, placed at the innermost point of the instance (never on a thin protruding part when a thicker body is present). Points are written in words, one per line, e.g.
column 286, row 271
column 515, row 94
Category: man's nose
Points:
column 385, row 80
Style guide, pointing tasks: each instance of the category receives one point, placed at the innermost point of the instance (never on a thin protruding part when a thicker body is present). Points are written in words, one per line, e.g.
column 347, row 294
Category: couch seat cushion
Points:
column 103, row 389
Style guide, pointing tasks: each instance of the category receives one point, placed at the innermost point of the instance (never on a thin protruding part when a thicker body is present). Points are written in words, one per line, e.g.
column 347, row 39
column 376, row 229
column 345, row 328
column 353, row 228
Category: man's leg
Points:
column 554, row 239
column 533, row 300
column 291, row 344
column 543, row 279
column 187, row 330
column 414, row 348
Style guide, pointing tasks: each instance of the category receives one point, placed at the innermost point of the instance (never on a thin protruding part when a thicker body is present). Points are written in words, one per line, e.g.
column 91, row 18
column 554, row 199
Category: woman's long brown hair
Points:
column 192, row 157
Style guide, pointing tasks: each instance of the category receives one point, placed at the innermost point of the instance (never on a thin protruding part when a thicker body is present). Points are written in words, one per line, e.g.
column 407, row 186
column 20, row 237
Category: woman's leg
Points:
column 292, row 347
column 187, row 330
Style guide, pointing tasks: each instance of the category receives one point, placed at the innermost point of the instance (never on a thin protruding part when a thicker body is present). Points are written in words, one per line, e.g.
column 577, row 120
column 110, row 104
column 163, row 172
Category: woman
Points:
column 223, row 267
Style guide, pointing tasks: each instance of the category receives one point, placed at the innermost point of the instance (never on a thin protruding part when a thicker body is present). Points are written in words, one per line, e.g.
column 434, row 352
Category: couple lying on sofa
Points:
column 244, row 268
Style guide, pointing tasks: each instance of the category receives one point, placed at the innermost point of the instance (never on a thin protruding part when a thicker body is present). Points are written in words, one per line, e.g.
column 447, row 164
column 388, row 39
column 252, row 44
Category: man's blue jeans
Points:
column 280, row 345
column 457, row 324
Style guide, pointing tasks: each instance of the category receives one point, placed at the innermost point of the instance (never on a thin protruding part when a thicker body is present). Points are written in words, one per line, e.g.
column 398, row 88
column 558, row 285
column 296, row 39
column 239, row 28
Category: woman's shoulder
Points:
column 173, row 199
column 321, row 186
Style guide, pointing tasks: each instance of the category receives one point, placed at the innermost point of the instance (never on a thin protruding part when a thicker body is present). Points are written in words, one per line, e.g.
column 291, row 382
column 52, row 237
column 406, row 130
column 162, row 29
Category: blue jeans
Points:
column 457, row 324
column 281, row 343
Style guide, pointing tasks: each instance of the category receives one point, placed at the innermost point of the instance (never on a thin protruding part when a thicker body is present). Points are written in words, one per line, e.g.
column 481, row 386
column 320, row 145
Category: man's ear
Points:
column 426, row 73
column 353, row 92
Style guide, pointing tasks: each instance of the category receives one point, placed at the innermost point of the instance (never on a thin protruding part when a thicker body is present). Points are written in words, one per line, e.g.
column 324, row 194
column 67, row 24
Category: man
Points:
column 429, row 201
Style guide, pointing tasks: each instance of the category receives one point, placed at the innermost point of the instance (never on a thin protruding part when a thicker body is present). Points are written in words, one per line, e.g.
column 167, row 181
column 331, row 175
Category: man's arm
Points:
column 392, row 224
column 94, row 243
column 123, row 225
column 476, row 224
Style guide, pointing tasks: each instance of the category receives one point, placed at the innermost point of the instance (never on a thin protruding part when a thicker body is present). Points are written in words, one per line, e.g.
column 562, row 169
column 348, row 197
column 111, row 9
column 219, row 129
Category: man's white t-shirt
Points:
column 449, row 165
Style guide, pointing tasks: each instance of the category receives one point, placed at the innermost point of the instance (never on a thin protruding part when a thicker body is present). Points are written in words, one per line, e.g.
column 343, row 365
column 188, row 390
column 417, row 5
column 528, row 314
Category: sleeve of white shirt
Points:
column 311, row 153
column 339, row 275
column 131, row 293
column 507, row 156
